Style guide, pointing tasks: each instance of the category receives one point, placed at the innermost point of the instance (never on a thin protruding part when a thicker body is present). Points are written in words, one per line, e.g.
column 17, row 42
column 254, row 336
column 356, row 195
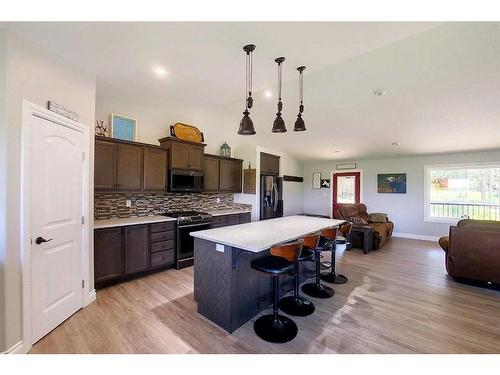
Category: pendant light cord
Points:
column 279, row 81
column 301, row 88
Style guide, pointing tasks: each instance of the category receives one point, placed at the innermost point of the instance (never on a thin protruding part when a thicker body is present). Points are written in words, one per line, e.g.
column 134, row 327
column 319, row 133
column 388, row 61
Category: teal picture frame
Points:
column 124, row 128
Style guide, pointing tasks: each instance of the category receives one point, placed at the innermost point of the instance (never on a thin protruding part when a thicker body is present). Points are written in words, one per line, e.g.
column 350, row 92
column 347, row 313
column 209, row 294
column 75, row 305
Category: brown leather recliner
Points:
column 473, row 250
column 366, row 236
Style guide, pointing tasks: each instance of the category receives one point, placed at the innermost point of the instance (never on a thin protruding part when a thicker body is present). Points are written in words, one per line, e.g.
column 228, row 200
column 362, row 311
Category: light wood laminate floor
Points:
column 398, row 300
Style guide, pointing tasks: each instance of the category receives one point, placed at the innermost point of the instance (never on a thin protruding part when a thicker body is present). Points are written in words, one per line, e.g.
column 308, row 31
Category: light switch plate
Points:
column 219, row 247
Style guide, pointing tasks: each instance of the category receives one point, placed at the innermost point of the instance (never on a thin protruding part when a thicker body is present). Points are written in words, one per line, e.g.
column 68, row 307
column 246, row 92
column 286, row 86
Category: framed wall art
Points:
column 393, row 183
column 124, row 128
column 317, row 180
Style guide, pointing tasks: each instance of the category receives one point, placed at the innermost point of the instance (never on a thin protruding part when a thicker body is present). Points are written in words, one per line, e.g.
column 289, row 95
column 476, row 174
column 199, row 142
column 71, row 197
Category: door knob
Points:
column 40, row 240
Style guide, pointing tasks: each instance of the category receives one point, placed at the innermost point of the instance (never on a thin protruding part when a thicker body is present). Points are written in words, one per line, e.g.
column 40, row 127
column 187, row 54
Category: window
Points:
column 462, row 192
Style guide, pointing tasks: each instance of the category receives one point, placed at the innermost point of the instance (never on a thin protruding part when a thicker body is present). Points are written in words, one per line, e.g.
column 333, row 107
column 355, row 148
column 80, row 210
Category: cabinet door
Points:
column 211, row 173
column 155, row 169
column 269, row 164
column 196, row 156
column 179, row 155
column 233, row 219
column 236, row 170
column 225, row 175
column 105, row 165
column 136, row 249
column 108, row 254
column 129, row 167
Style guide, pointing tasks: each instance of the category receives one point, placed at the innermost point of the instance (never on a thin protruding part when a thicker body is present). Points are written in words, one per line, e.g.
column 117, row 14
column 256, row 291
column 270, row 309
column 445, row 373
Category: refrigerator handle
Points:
column 275, row 193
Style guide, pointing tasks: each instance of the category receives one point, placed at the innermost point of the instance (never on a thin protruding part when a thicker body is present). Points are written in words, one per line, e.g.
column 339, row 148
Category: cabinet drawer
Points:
column 161, row 246
column 245, row 218
column 163, row 258
column 233, row 219
column 219, row 220
column 162, row 227
column 162, row 236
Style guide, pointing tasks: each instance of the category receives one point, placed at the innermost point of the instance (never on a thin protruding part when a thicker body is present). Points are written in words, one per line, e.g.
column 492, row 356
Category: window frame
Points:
column 427, row 192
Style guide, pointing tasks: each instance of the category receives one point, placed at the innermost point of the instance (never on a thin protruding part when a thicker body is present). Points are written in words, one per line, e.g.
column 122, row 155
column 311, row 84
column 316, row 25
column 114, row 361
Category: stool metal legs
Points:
column 296, row 305
column 317, row 289
column 274, row 327
column 332, row 277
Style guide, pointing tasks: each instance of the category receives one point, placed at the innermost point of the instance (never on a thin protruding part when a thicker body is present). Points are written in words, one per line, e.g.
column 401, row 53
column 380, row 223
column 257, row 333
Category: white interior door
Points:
column 56, row 217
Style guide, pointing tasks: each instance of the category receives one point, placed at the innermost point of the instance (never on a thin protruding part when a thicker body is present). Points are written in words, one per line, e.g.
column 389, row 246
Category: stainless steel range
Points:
column 187, row 222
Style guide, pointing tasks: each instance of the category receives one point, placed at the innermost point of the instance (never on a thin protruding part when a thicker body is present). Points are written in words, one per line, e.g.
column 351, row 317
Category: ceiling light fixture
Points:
column 246, row 123
column 159, row 71
column 395, row 144
column 300, row 126
column 279, row 123
column 379, row 92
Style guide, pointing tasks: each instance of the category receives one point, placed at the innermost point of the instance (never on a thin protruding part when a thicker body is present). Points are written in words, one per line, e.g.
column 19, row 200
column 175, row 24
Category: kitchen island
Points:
column 228, row 291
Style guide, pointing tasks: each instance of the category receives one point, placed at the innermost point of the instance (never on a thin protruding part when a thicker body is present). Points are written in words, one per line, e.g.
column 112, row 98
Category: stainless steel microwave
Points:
column 181, row 180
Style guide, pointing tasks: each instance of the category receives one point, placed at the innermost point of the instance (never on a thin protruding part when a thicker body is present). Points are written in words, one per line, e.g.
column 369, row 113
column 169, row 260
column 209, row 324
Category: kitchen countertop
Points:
column 228, row 211
column 261, row 235
column 133, row 220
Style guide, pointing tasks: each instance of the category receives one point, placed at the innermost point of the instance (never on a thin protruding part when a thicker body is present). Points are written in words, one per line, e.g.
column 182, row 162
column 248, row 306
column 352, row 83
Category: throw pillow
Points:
column 378, row 218
column 357, row 220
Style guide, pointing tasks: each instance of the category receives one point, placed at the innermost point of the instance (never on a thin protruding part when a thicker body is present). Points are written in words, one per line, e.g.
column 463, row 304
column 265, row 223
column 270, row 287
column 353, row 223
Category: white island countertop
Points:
column 261, row 235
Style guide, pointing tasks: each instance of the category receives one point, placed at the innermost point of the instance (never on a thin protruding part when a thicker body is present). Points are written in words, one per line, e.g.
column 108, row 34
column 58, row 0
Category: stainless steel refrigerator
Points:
column 271, row 197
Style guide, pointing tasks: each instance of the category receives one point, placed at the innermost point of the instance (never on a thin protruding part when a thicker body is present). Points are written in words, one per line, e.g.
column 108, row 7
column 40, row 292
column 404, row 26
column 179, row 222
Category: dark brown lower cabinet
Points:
column 136, row 249
column 108, row 255
column 232, row 219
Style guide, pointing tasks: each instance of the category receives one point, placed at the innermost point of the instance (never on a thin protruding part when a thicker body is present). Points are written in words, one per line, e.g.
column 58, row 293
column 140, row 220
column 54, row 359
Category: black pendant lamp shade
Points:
column 246, row 123
column 300, row 126
column 279, row 123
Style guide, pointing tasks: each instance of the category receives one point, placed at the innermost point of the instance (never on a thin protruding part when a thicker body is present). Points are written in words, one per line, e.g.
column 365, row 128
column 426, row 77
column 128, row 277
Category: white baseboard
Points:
column 416, row 236
column 17, row 348
column 91, row 298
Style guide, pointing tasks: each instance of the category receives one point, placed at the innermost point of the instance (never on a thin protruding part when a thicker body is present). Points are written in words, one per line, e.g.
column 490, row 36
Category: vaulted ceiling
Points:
column 441, row 80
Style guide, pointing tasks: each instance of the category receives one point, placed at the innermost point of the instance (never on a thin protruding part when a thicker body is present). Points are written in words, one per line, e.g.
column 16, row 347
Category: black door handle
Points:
column 40, row 240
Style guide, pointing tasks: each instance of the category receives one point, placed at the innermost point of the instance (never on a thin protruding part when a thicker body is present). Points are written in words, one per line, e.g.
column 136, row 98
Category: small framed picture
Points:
column 123, row 128
column 325, row 183
column 317, row 180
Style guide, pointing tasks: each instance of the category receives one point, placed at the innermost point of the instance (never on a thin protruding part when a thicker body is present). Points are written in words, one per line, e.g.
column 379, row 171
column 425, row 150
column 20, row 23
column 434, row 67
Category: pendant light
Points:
column 246, row 123
column 300, row 126
column 279, row 123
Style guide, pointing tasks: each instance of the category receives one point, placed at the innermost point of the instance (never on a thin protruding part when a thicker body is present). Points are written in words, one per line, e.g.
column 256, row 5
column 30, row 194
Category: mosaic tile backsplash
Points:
column 112, row 205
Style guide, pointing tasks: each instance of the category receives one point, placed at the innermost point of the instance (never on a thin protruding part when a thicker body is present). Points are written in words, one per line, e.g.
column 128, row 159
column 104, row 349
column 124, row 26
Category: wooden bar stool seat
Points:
column 274, row 327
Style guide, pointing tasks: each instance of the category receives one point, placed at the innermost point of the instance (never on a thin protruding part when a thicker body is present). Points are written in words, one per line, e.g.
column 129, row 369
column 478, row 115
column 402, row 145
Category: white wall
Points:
column 405, row 210
column 219, row 124
column 38, row 77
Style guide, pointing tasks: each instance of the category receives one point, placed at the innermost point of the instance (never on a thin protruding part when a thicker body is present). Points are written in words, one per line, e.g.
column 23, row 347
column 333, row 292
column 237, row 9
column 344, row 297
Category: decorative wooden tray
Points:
column 186, row 132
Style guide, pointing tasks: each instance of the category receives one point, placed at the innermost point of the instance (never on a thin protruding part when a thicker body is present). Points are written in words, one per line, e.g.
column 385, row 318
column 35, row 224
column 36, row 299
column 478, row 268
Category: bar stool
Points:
column 274, row 327
column 333, row 277
column 345, row 236
column 316, row 289
column 295, row 304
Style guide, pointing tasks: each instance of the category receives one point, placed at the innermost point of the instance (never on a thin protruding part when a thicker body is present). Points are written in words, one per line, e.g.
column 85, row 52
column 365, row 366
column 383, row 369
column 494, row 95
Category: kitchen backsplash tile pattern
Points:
column 113, row 205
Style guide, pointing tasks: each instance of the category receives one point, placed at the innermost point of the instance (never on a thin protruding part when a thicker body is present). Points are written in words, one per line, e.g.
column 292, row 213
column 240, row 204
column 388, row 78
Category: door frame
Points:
column 28, row 111
column 335, row 171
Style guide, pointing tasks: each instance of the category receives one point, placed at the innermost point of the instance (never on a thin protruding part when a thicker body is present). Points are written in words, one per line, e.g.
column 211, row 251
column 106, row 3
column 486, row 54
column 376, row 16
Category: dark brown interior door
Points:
column 155, row 169
column 211, row 173
column 105, row 165
column 136, row 249
column 346, row 190
column 129, row 167
column 108, row 254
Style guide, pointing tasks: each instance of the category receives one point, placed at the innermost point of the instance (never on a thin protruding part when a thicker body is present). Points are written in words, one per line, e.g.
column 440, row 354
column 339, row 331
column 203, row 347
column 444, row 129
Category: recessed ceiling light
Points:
column 395, row 144
column 337, row 151
column 160, row 71
column 379, row 92
column 268, row 94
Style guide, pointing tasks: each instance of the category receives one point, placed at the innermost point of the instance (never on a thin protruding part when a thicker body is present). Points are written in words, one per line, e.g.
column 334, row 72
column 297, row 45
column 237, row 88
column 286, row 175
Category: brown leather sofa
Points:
column 366, row 236
column 473, row 250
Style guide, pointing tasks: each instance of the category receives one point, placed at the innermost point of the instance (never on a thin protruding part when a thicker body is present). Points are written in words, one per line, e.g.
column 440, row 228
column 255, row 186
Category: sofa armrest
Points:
column 444, row 242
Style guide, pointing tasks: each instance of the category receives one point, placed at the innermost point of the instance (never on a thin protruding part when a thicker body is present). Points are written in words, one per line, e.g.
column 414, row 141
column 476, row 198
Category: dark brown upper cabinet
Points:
column 269, row 164
column 105, row 165
column 184, row 154
column 211, row 173
column 137, row 255
column 129, row 167
column 155, row 169
column 230, row 171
